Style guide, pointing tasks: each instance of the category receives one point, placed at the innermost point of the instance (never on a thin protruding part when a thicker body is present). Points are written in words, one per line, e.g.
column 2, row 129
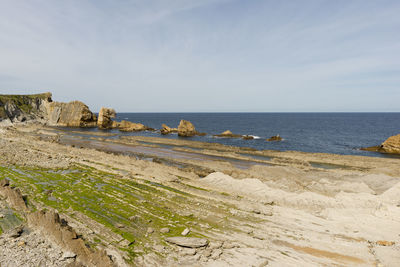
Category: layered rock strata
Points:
column 104, row 121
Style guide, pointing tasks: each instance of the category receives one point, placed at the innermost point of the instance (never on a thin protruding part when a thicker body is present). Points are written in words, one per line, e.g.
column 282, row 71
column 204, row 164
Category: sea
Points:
column 339, row 133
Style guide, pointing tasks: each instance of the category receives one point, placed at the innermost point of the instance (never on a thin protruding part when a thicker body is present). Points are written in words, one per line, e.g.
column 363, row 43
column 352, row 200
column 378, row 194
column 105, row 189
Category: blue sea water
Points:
column 339, row 133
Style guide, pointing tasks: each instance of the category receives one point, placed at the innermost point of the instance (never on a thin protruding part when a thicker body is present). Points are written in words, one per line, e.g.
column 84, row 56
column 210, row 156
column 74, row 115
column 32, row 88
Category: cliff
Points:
column 41, row 108
column 19, row 108
column 72, row 114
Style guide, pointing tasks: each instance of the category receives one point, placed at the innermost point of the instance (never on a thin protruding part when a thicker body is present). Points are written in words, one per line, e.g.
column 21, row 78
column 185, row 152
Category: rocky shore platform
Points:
column 141, row 201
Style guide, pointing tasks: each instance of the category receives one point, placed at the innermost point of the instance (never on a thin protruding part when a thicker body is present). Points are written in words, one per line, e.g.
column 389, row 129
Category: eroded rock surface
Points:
column 72, row 114
column 186, row 129
column 392, row 144
column 189, row 242
column 127, row 126
column 104, row 120
column 19, row 108
column 167, row 130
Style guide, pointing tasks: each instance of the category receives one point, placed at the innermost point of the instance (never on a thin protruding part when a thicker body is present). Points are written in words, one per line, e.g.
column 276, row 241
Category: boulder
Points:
column 72, row 114
column 274, row 138
column 391, row 145
column 167, row 130
column 228, row 134
column 186, row 129
column 104, row 121
column 248, row 137
column 188, row 242
column 127, row 126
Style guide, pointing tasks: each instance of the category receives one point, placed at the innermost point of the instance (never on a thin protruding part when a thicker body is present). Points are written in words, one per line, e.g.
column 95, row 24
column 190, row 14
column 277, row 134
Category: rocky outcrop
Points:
column 127, row 126
column 104, row 121
column 72, row 114
column 58, row 231
column 274, row 138
column 20, row 108
column 13, row 196
column 167, row 130
column 392, row 145
column 228, row 134
column 186, row 129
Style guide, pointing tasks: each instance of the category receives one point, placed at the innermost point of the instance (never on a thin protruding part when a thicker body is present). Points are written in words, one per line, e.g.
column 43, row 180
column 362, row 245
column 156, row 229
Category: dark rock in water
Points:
column 247, row 137
column 275, row 138
column 188, row 242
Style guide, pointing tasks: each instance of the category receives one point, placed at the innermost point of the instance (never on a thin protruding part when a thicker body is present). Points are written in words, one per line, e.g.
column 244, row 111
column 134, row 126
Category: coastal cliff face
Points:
column 72, row 114
column 41, row 108
column 19, row 108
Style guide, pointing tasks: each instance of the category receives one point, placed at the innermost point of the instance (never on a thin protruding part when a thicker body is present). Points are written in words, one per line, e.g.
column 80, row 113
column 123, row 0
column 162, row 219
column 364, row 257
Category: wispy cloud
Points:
column 217, row 55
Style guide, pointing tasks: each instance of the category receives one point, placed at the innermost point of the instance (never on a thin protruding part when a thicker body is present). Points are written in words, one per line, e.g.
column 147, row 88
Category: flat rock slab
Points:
column 188, row 242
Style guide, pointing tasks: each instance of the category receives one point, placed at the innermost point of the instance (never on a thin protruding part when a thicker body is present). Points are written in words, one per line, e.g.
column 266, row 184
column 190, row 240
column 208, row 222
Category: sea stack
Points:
column 186, row 129
column 105, row 118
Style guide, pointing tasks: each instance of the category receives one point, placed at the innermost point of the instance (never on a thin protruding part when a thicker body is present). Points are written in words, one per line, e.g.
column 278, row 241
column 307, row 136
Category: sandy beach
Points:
column 129, row 196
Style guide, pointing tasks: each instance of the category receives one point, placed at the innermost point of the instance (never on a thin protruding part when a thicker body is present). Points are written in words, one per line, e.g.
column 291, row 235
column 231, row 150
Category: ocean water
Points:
column 339, row 133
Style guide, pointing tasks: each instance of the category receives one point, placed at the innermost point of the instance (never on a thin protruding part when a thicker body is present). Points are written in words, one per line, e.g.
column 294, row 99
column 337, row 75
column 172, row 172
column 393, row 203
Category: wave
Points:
column 255, row 136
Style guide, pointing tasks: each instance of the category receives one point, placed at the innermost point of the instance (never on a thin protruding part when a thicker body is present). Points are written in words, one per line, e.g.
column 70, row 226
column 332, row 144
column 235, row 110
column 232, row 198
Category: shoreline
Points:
column 289, row 212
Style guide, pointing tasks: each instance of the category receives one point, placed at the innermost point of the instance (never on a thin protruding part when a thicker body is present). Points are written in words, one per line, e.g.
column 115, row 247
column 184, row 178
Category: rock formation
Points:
column 186, row 129
column 127, row 126
column 59, row 232
column 167, row 130
column 392, row 145
column 104, row 120
column 274, row 138
column 72, row 114
column 228, row 134
column 12, row 195
column 19, row 108
column 248, row 137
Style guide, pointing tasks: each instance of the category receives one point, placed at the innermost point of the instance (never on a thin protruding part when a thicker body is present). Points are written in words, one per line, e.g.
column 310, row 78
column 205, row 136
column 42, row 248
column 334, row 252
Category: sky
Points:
column 205, row 55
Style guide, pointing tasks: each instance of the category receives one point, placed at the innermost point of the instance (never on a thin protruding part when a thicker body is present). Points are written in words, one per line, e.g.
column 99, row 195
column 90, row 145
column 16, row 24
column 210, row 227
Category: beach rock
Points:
column 104, row 121
column 185, row 232
column 189, row 242
column 164, row 230
column 274, row 138
column 150, row 230
column 228, row 134
column 127, row 126
column 167, row 130
column 248, row 137
column 186, row 129
column 72, row 114
column 392, row 145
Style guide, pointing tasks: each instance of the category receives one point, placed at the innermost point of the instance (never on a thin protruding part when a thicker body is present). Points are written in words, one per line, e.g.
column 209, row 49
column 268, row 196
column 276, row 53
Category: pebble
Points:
column 68, row 255
column 164, row 230
column 185, row 232
column 150, row 230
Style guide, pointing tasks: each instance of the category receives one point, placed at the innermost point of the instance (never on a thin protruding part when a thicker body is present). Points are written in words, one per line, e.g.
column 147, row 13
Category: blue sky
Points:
column 208, row 55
